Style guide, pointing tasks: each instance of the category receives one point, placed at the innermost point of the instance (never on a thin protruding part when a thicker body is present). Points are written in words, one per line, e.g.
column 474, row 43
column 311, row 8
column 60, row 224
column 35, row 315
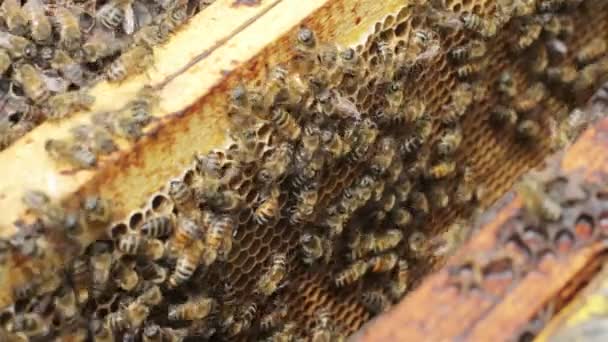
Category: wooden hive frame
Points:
column 241, row 40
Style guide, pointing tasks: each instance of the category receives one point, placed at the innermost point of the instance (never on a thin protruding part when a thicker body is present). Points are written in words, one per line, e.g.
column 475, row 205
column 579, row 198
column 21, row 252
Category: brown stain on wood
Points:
column 250, row 3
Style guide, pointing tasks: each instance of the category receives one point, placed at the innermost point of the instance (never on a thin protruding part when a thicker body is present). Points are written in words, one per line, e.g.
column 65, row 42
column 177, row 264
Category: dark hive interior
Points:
column 351, row 174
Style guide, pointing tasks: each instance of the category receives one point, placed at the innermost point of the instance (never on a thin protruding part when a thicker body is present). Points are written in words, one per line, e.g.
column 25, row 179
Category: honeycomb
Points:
column 62, row 75
column 237, row 211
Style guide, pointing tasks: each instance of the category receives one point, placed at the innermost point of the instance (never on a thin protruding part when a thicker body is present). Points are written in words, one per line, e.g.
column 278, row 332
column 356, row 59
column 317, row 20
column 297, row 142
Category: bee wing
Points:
column 143, row 16
column 55, row 83
column 129, row 24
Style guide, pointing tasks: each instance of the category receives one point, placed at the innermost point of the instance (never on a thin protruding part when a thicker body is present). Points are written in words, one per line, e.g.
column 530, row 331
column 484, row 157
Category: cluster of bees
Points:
column 333, row 146
column 51, row 53
column 552, row 72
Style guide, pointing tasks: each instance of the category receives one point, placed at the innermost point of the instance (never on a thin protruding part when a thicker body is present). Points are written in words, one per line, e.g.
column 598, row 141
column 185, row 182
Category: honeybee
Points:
column 62, row 105
column 394, row 95
column 33, row 83
column 446, row 243
column 158, row 226
column 286, row 124
column 5, row 61
column 131, row 244
column 67, row 67
column 385, row 153
column 131, row 62
column 506, row 85
column 154, row 273
column 227, row 201
column 351, row 274
column 80, row 277
column 467, row 71
column 591, row 52
column 462, row 97
column 503, row 115
column 474, row 49
column 101, row 332
column 589, row 76
column 306, row 42
column 531, row 98
column 415, row 110
column 77, row 155
column 244, row 319
column 181, row 194
column 274, row 318
column 531, row 31
column 151, row 297
column 305, row 206
column 322, row 331
column 528, row 129
column 125, row 276
column 40, row 204
column 438, row 196
column 441, row 169
column 268, row 210
column 97, row 209
column 540, row 61
column 30, row 324
column 112, row 13
column 385, row 241
column 401, row 217
column 558, row 25
column 383, row 263
column 100, row 266
column 173, row 18
column 399, row 285
column 187, row 232
column 286, row 334
column 218, row 239
column 335, row 223
column 464, row 191
column 473, row 22
column 40, row 25
column 417, row 242
column 65, row 303
column 536, row 200
column 565, row 74
column 195, row 309
column 148, row 35
column 99, row 140
column 311, row 247
column 563, row 133
column 523, row 8
column 550, row 5
column 100, row 45
column 140, row 107
column 348, row 61
column 270, row 281
column 17, row 46
column 449, row 142
column 419, row 202
column 14, row 17
column 69, row 28
column 334, row 144
column 186, row 265
column 275, row 167
column 376, row 301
